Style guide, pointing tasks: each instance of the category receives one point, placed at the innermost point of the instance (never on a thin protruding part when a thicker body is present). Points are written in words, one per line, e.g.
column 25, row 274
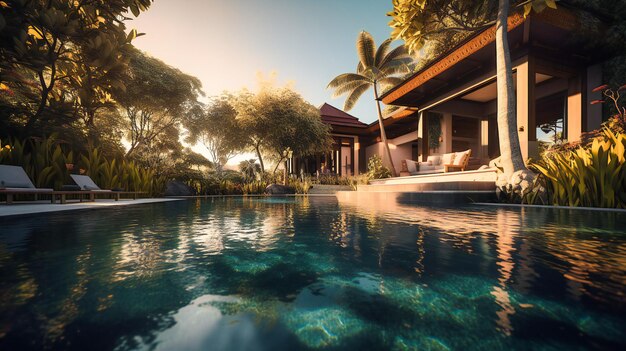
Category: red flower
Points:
column 623, row 87
column 595, row 102
column 600, row 88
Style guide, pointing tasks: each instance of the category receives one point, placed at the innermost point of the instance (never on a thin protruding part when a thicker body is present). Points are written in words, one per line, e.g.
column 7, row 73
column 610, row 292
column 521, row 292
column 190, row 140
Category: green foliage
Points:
column 43, row 160
column 275, row 119
column 376, row 169
column 593, row 175
column 48, row 165
column 302, row 186
column 376, row 67
column 60, row 59
column 216, row 128
column 434, row 130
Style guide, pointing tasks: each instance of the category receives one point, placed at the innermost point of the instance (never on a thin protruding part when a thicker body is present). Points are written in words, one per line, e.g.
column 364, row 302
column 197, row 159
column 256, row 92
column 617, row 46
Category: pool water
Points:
column 313, row 273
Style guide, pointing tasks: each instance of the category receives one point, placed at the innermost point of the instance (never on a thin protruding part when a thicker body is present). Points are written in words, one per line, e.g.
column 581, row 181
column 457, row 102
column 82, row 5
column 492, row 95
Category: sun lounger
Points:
column 87, row 184
column 14, row 178
column 15, row 181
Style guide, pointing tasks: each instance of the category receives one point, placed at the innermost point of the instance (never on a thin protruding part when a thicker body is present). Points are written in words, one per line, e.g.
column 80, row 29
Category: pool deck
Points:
column 37, row 207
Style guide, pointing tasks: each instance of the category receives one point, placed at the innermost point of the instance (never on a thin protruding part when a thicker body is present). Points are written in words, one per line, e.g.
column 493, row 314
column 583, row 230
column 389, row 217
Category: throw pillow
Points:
column 447, row 159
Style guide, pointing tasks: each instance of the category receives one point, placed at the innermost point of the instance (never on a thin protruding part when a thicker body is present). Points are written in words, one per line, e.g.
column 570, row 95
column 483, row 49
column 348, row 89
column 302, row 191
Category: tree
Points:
column 217, row 129
column 377, row 68
column 48, row 46
column 155, row 100
column 249, row 168
column 275, row 119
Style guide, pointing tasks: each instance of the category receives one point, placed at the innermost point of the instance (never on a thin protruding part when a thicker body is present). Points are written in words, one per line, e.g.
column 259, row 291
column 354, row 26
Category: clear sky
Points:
column 226, row 43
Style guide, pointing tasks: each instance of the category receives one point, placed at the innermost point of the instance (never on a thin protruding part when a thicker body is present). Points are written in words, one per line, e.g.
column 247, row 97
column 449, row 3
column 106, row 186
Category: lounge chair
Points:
column 15, row 181
column 14, row 178
column 87, row 184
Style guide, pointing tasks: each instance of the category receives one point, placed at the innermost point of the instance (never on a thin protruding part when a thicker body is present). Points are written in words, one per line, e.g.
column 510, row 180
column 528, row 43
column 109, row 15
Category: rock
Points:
column 277, row 189
column 178, row 188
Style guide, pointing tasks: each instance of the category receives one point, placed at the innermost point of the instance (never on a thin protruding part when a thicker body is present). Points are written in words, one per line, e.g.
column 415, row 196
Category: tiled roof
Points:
column 334, row 116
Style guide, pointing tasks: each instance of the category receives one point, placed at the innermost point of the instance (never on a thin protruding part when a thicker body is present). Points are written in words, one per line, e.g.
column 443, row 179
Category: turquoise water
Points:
column 313, row 273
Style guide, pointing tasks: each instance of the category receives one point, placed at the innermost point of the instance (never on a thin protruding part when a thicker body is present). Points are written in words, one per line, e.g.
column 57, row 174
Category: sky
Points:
column 228, row 43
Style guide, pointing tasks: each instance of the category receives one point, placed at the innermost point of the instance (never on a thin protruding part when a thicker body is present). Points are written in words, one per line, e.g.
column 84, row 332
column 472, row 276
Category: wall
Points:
column 400, row 149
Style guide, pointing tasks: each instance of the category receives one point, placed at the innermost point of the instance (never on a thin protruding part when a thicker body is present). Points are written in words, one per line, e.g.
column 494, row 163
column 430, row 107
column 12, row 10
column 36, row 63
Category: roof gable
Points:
column 334, row 116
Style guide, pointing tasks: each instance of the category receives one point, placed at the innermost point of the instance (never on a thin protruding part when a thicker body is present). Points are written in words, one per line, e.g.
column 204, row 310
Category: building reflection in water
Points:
column 519, row 239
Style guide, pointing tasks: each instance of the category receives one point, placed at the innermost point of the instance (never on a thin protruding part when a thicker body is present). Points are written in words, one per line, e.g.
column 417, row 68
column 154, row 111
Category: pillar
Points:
column 446, row 133
column 525, row 95
column 574, row 109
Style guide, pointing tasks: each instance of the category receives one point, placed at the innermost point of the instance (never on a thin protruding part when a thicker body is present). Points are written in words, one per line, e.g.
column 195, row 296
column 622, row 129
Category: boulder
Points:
column 277, row 189
column 178, row 188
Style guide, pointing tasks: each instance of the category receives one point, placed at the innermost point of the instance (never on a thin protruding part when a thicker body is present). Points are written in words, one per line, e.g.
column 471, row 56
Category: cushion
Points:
column 433, row 160
column 460, row 158
column 411, row 166
column 6, row 183
column 14, row 177
column 84, row 182
column 425, row 167
column 447, row 159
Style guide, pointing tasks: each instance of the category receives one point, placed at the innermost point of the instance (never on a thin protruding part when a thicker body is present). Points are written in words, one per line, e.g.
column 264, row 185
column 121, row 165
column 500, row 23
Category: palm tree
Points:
column 377, row 68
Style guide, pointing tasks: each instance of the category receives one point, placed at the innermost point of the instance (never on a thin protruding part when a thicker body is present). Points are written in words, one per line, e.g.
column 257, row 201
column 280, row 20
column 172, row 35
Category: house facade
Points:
column 450, row 105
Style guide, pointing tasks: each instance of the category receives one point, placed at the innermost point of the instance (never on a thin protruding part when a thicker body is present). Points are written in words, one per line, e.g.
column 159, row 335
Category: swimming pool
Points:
column 313, row 273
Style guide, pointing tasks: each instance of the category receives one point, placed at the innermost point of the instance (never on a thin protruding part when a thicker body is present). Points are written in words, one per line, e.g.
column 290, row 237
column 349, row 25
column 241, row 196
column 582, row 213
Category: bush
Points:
column 376, row 169
column 591, row 175
column 48, row 163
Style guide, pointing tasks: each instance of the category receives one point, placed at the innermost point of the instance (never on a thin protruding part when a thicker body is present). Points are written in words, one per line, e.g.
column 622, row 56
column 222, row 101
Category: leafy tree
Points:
column 377, row 68
column 217, row 129
column 249, row 168
column 275, row 119
column 155, row 100
column 48, row 46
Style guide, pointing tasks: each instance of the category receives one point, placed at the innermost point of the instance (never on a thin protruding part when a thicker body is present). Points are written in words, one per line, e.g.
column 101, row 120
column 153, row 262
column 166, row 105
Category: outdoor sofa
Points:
column 438, row 163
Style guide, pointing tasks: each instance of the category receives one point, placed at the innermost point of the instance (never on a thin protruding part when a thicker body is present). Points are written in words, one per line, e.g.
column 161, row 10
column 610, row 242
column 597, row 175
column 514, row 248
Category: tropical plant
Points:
column 592, row 175
column 378, row 69
column 376, row 169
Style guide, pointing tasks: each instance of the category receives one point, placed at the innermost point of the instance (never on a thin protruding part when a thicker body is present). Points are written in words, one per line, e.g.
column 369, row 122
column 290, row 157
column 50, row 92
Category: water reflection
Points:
column 280, row 273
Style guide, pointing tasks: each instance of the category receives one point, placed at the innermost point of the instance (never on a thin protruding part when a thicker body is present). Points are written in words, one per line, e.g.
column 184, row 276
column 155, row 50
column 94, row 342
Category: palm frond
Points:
column 354, row 96
column 389, row 109
column 360, row 68
column 348, row 87
column 382, row 51
column 391, row 70
column 366, row 48
column 346, row 78
column 398, row 53
column 388, row 82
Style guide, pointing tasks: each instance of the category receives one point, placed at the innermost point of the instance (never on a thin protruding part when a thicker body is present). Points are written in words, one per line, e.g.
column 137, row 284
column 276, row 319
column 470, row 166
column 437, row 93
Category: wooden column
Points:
column 446, row 133
column 526, row 124
column 423, row 134
column 575, row 108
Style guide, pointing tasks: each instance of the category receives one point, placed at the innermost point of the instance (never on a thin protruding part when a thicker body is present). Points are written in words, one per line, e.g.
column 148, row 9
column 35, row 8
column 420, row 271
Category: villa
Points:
column 450, row 104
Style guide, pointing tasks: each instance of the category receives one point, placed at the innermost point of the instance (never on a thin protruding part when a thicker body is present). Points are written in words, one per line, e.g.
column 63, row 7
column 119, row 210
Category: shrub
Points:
column 590, row 175
column 376, row 169
column 48, row 164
